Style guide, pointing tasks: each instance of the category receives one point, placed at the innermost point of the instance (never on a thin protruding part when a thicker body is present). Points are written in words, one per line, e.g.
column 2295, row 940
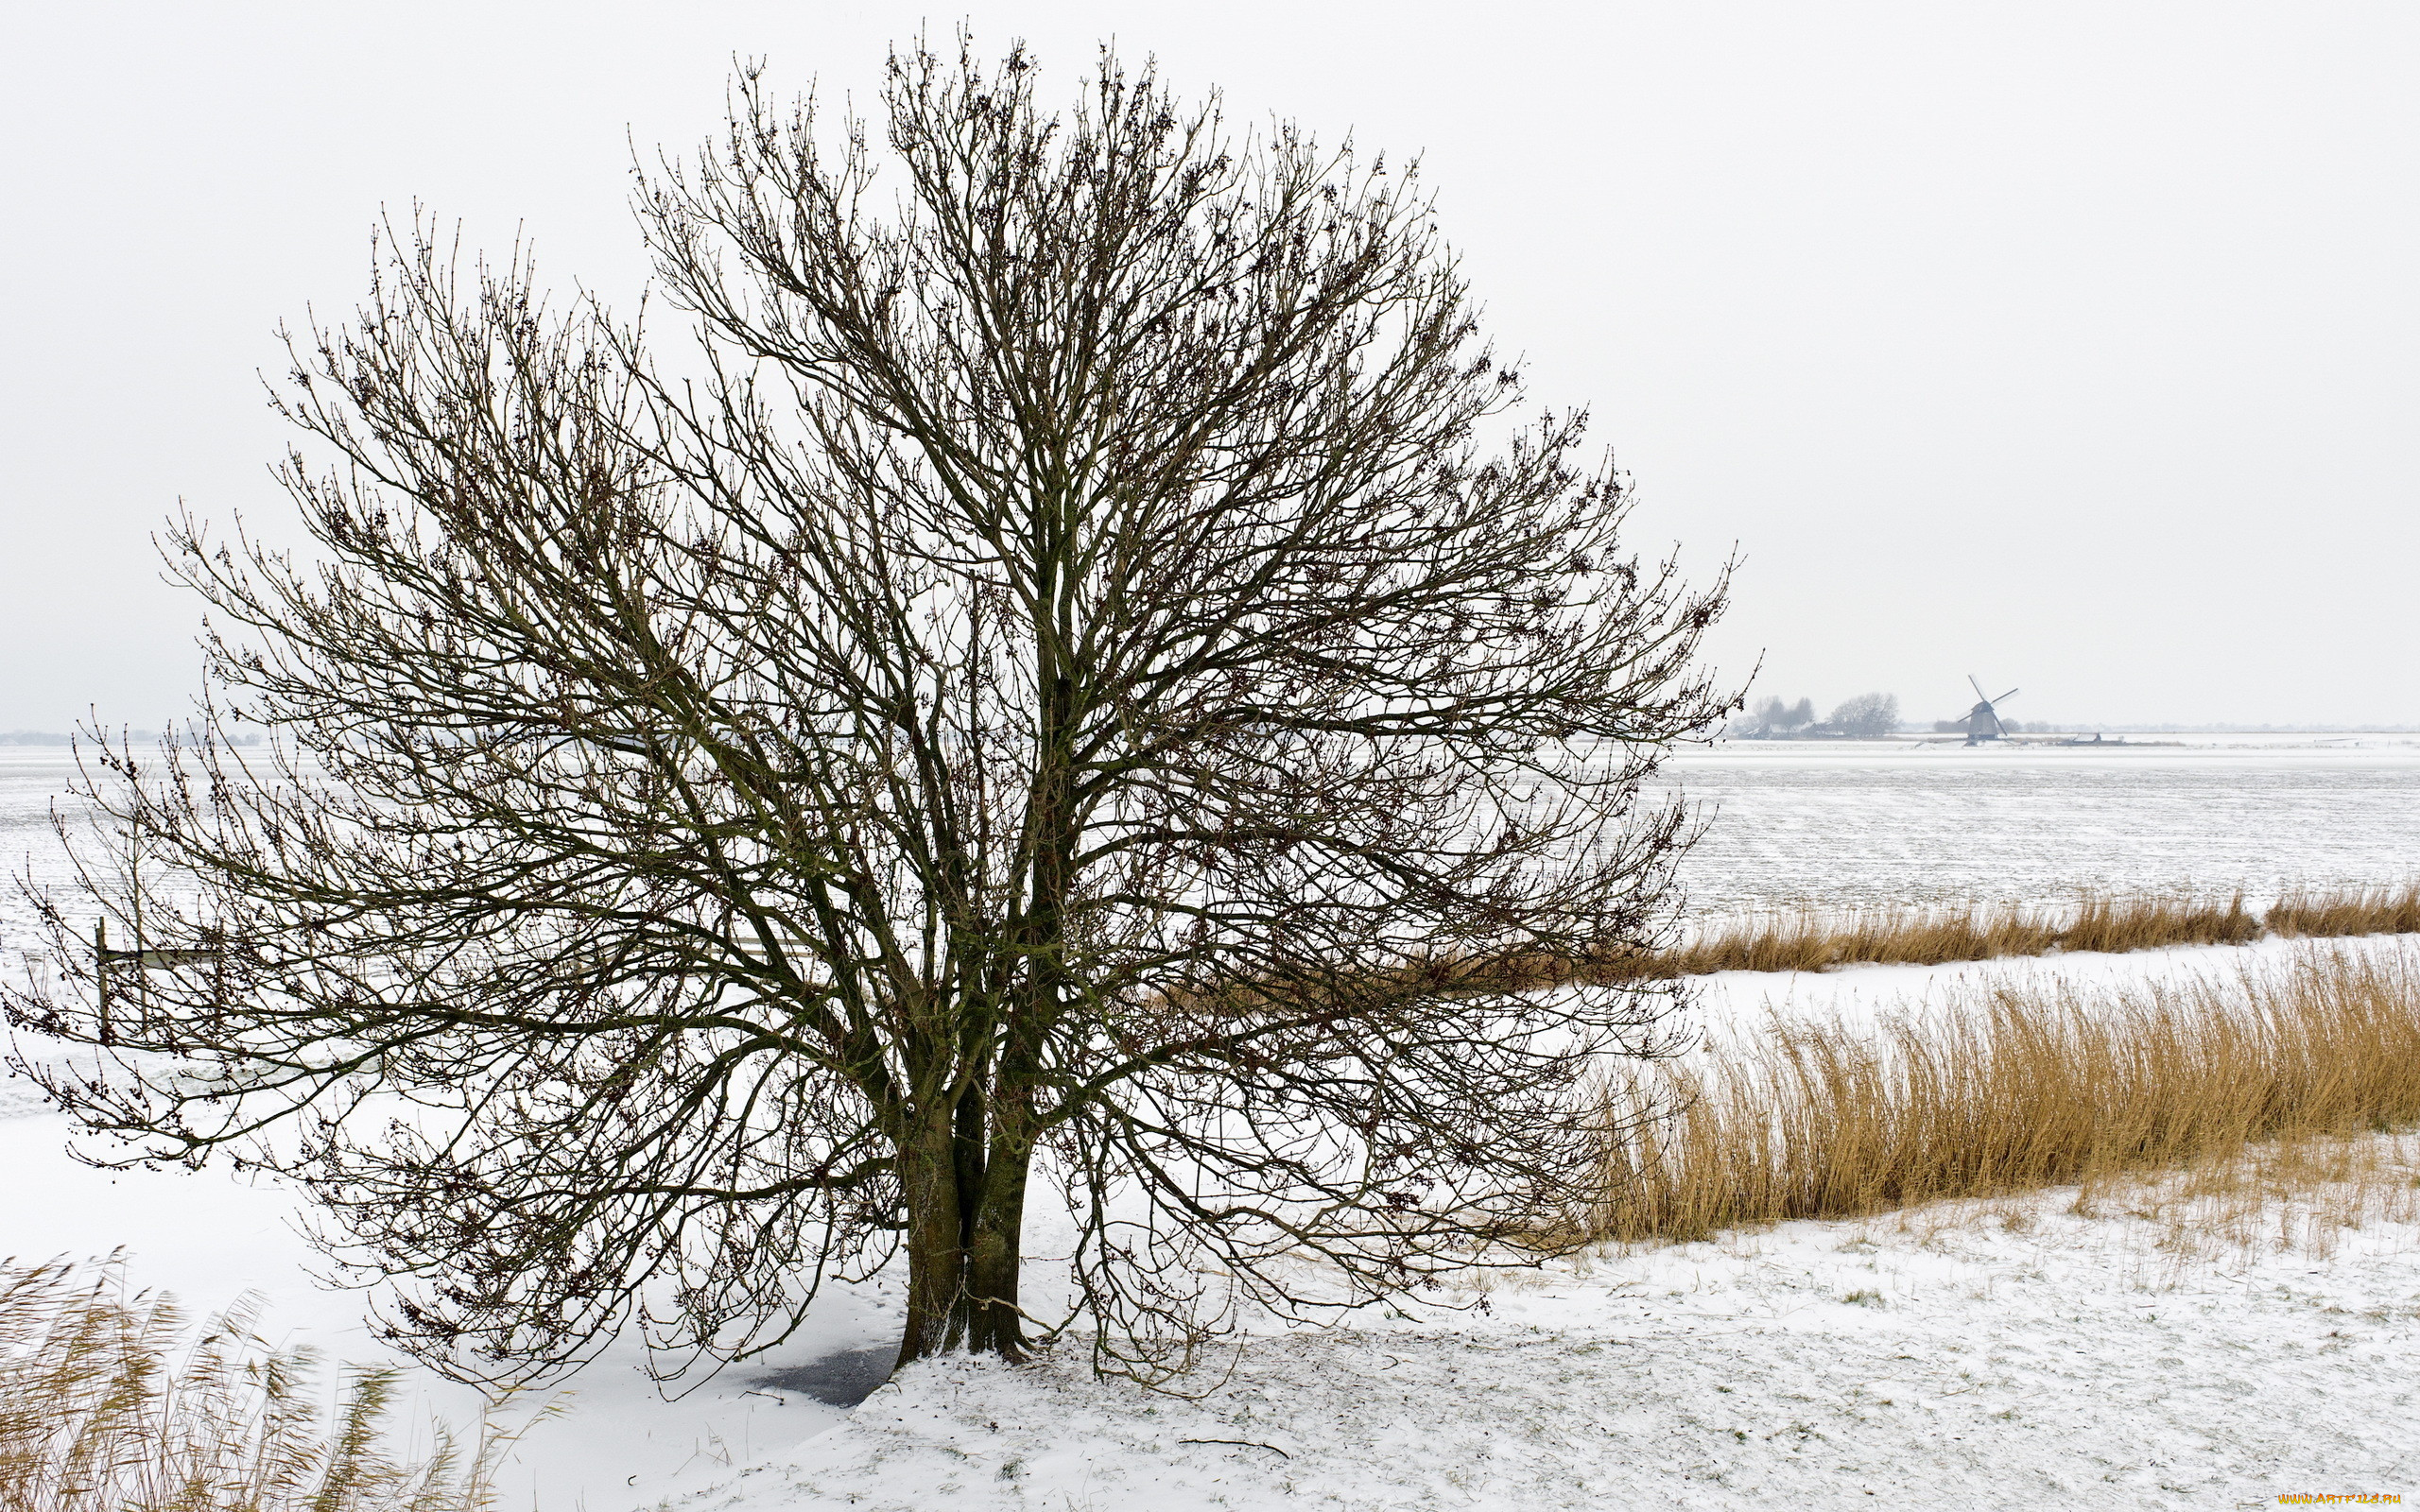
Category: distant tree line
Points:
column 2027, row 727
column 1866, row 716
column 50, row 737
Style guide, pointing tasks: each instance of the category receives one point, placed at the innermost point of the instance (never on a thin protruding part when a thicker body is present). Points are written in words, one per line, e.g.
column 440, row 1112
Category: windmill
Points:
column 1984, row 720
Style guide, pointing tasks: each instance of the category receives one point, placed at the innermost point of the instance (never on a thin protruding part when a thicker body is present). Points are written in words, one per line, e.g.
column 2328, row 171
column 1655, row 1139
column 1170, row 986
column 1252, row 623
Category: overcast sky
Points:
column 2077, row 346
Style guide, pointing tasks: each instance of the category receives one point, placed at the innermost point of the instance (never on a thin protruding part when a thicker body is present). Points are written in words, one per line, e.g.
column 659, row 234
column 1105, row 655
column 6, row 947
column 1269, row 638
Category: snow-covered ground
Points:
column 1999, row 1354
column 1729, row 999
column 1970, row 1355
column 209, row 1238
column 1973, row 1355
column 2013, row 1353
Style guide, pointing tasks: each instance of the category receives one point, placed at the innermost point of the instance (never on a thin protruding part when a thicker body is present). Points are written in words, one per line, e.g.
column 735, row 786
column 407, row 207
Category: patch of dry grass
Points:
column 2121, row 924
column 2016, row 1089
column 104, row 1408
column 2301, row 1194
column 1817, row 940
column 2352, row 911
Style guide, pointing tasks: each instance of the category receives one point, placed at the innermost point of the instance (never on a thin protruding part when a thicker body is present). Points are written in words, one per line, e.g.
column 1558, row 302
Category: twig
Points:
column 1240, row 1443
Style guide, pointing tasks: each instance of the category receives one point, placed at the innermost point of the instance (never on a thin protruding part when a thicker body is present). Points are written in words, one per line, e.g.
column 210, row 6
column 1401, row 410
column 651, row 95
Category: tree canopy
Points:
column 1868, row 715
column 1076, row 676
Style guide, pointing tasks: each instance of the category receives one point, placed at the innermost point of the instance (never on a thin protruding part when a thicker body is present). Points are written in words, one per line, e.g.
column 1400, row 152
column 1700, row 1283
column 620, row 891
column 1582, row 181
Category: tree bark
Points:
column 995, row 1250
column 936, row 1239
column 965, row 1193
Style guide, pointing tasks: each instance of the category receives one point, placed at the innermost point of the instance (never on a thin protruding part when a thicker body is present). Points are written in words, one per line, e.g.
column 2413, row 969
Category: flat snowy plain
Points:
column 2011, row 1353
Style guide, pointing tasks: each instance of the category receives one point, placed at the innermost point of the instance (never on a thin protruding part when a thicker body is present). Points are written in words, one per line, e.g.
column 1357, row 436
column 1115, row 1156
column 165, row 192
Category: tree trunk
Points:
column 995, row 1251
column 935, row 1238
column 965, row 1179
column 965, row 1198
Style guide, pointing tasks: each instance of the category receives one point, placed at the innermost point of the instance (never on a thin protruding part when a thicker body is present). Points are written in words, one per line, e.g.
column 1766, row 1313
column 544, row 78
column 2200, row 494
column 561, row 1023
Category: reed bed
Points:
column 2016, row 1089
column 1816, row 941
column 1819, row 941
column 2353, row 911
column 105, row 1408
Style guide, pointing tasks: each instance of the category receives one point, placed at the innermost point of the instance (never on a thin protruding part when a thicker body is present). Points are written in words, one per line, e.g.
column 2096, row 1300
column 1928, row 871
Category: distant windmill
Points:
column 1984, row 720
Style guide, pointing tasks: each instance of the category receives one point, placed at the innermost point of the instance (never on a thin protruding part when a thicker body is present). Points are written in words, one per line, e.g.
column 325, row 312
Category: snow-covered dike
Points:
column 2008, row 1354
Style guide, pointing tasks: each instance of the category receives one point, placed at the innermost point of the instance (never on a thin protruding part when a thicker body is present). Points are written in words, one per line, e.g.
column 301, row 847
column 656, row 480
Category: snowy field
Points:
column 2003, row 1354
column 1849, row 824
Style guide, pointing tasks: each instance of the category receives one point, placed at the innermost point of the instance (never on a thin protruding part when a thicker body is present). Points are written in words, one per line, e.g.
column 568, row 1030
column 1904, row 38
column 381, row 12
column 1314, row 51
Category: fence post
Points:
column 101, row 971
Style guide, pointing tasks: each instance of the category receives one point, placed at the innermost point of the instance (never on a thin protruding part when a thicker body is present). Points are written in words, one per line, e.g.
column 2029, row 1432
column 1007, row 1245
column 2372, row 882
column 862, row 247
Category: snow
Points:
column 1845, row 824
column 210, row 1237
column 1732, row 999
column 1955, row 1358
column 1969, row 1355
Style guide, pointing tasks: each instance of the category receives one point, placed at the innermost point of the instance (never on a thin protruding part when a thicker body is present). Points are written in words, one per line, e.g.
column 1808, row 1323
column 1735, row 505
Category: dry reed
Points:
column 2117, row 925
column 2009, row 1092
column 99, row 1413
column 1819, row 941
column 2355, row 911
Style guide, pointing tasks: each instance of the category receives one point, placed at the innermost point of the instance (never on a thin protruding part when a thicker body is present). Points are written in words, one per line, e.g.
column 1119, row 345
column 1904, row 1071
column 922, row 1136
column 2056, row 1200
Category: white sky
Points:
column 2075, row 345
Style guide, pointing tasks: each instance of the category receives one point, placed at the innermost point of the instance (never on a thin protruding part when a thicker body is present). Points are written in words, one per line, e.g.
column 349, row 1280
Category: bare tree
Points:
column 1773, row 715
column 1867, row 716
column 1076, row 679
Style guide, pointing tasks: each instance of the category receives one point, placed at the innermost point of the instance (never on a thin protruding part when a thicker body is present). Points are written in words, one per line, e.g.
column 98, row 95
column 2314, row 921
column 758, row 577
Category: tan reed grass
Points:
column 2349, row 911
column 2301, row 1194
column 2120, row 924
column 101, row 1412
column 1819, row 941
column 2018, row 1088
column 1816, row 941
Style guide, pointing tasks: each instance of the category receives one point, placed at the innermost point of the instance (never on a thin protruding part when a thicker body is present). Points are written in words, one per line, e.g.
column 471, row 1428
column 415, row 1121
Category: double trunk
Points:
column 964, row 1159
column 964, row 1184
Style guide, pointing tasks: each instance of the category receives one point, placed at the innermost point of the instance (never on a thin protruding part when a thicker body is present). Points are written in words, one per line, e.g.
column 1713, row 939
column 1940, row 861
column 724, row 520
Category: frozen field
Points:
column 31, row 783
column 1849, row 824
column 2008, row 1354
column 1963, row 1360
